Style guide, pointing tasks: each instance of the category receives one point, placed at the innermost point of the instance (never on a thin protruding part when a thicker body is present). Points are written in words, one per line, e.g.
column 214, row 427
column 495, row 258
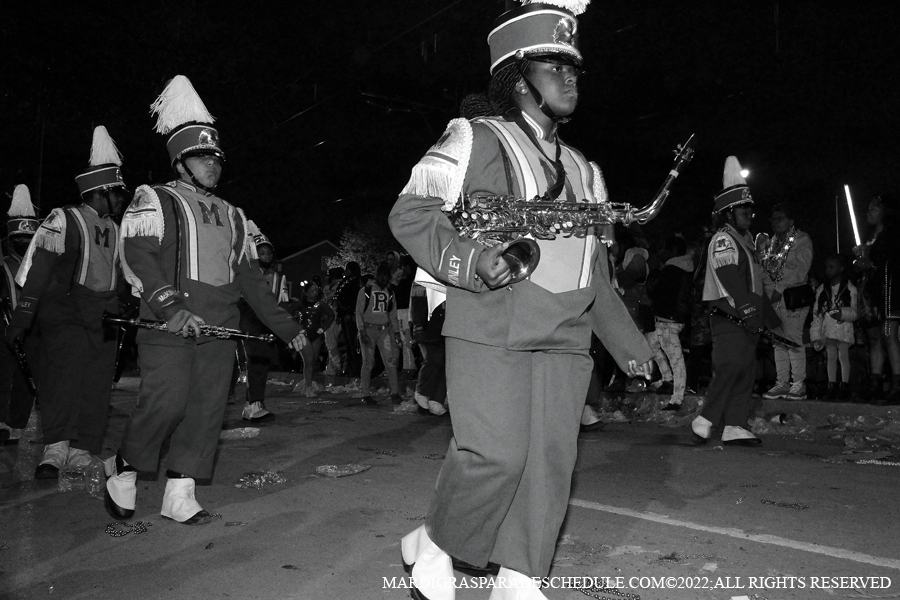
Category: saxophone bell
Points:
column 522, row 256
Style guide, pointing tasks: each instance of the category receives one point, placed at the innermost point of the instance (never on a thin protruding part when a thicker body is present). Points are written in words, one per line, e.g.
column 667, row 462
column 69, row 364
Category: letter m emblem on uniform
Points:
column 210, row 213
column 101, row 234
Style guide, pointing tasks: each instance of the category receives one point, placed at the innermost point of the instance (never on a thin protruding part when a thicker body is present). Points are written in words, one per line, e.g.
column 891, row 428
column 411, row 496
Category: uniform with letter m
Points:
column 189, row 256
column 69, row 277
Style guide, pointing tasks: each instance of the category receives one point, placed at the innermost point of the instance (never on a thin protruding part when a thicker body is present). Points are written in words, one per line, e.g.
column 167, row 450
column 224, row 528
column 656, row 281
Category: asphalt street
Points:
column 811, row 514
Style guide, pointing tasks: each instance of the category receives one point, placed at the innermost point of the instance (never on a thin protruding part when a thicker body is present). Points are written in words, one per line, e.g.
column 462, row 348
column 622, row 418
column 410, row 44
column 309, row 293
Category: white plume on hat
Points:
column 576, row 7
column 178, row 104
column 732, row 175
column 21, row 203
column 103, row 149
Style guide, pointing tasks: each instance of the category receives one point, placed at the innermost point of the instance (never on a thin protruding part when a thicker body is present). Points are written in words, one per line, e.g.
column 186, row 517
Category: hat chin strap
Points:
column 194, row 179
column 538, row 97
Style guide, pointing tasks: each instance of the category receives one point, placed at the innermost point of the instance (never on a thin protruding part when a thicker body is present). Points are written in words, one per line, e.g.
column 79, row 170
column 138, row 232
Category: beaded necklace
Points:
column 774, row 261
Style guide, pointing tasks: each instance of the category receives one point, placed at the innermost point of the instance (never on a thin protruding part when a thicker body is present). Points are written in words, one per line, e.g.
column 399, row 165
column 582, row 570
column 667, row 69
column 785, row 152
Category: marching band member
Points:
column 734, row 285
column 188, row 254
column 518, row 363
column 16, row 399
column 69, row 277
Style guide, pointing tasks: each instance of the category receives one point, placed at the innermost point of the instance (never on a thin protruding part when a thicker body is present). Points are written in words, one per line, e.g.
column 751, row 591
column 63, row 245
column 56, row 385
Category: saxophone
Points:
column 495, row 219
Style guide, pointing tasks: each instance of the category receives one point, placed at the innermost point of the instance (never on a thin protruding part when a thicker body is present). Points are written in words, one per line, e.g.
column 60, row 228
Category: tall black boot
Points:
column 874, row 389
column 893, row 396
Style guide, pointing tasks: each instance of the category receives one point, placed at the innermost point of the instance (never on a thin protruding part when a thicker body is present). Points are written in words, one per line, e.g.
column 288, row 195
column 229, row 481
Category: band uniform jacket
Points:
column 734, row 279
column 186, row 249
column 70, row 273
column 489, row 156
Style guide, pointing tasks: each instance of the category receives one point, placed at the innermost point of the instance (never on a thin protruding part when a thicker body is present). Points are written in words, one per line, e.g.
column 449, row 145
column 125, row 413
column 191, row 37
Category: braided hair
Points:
column 500, row 96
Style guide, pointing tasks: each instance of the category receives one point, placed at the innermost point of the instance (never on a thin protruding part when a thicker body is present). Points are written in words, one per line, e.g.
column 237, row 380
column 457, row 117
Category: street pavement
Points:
column 813, row 513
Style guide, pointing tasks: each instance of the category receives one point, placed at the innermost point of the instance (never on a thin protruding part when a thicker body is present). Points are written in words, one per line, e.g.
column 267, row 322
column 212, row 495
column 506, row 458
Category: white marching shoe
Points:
column 421, row 400
column 733, row 435
column 436, row 408
column 121, row 488
column 78, row 457
column 702, row 429
column 179, row 503
column 52, row 460
column 512, row 585
column 255, row 411
column 430, row 567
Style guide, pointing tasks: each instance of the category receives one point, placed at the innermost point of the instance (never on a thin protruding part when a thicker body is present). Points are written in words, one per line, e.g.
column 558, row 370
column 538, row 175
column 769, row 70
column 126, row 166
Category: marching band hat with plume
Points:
column 181, row 113
column 537, row 30
column 259, row 238
column 105, row 170
column 22, row 219
column 735, row 189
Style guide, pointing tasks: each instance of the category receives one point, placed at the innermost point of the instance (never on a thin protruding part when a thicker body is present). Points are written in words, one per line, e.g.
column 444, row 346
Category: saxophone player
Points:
column 518, row 366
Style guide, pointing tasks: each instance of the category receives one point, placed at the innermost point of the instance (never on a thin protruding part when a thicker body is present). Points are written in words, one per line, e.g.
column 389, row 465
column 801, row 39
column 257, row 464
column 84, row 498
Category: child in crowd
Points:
column 832, row 326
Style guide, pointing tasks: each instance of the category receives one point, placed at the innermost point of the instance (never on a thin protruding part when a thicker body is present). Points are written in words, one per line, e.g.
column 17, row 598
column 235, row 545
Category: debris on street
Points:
column 341, row 470
column 257, row 480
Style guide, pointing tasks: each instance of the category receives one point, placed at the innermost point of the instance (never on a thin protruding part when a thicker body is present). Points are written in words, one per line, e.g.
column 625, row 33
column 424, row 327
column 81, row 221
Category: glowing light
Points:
column 745, row 173
column 852, row 215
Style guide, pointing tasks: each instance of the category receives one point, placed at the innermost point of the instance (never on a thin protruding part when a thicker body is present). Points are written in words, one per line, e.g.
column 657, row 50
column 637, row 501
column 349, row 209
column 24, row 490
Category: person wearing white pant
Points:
column 786, row 258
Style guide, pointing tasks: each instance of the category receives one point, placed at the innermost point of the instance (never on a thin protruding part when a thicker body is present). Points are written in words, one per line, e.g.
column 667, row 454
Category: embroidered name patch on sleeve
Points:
column 724, row 251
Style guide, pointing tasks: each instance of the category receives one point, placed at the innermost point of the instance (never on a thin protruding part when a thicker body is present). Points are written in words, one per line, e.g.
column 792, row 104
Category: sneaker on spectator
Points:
column 636, row 386
column 780, row 390
column 797, row 392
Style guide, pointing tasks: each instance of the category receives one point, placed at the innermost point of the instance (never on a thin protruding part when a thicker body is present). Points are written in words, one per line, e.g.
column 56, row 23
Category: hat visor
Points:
column 203, row 151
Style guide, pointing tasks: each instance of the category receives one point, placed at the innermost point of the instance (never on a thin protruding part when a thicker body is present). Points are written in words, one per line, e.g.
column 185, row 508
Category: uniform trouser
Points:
column 380, row 336
column 77, row 365
column 409, row 359
column 259, row 363
column 432, row 381
column 667, row 332
column 790, row 363
column 503, row 490
column 183, row 394
column 16, row 400
column 348, row 327
column 730, row 393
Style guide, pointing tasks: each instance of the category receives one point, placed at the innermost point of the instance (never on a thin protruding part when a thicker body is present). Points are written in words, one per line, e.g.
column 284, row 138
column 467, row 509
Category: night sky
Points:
column 323, row 108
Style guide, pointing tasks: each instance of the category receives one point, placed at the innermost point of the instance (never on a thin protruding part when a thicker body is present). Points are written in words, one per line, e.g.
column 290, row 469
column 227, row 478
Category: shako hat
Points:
column 22, row 219
column 105, row 170
column 734, row 187
column 536, row 29
column 259, row 238
column 182, row 115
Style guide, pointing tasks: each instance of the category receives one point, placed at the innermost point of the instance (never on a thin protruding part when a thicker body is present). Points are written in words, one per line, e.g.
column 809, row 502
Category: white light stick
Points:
column 852, row 215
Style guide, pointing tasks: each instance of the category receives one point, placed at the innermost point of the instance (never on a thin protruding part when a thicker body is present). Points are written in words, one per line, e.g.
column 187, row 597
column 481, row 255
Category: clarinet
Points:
column 18, row 348
column 222, row 333
column 715, row 310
